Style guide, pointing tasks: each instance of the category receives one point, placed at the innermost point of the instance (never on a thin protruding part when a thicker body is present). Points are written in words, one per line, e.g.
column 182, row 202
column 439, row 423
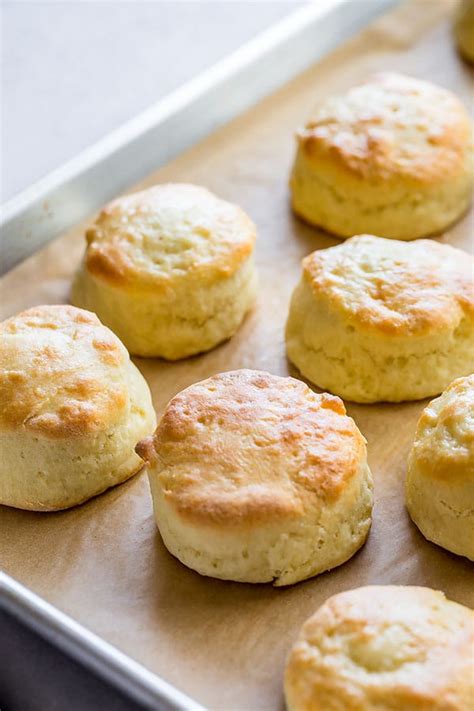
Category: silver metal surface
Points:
column 97, row 655
column 70, row 194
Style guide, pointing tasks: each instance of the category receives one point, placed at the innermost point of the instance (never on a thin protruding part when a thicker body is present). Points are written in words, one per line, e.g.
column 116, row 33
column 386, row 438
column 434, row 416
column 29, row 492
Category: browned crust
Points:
column 415, row 295
column 346, row 657
column 365, row 144
column 54, row 368
column 247, row 446
column 444, row 441
column 116, row 251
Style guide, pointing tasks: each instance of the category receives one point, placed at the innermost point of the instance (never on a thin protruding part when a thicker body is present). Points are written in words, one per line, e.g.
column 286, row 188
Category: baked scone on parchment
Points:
column 72, row 408
column 391, row 157
column 256, row 478
column 440, row 480
column 170, row 270
column 376, row 319
column 383, row 648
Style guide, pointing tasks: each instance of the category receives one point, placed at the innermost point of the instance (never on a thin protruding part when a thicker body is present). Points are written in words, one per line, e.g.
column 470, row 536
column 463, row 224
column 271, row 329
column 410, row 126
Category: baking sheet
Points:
column 103, row 563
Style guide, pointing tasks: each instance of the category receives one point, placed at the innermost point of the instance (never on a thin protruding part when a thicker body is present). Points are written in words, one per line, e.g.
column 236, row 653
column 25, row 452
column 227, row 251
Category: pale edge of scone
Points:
column 440, row 478
column 392, row 157
column 169, row 269
column 66, row 453
column 230, row 504
column 345, row 205
column 281, row 554
column 383, row 648
column 195, row 320
column 344, row 351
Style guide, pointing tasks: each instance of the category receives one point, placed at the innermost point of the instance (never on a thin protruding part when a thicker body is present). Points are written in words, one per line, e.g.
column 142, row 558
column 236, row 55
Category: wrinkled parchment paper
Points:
column 103, row 562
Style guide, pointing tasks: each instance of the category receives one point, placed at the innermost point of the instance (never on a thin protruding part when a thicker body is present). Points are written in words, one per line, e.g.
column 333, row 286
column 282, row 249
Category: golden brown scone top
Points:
column 153, row 238
column 444, row 442
column 246, row 446
column 62, row 373
column 384, row 648
column 391, row 125
column 395, row 287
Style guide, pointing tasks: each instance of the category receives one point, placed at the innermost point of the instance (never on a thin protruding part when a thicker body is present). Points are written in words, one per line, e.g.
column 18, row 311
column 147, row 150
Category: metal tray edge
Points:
column 92, row 651
column 71, row 193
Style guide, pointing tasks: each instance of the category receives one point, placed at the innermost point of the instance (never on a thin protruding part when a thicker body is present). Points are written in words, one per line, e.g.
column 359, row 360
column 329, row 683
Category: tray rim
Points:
column 89, row 649
column 70, row 193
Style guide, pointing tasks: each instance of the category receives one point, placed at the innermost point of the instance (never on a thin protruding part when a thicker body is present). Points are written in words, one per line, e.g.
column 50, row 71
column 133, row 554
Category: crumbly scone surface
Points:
column 444, row 443
column 247, row 446
column 158, row 236
column 391, row 125
column 384, row 648
column 62, row 373
column 395, row 287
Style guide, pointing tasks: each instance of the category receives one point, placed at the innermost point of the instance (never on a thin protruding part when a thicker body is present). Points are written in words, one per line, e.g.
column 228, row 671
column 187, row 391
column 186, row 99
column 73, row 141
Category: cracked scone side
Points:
column 440, row 478
column 257, row 479
column 191, row 321
column 383, row 648
column 170, row 270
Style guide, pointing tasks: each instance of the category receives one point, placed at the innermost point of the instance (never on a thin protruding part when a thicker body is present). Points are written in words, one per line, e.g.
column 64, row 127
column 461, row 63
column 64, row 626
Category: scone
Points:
column 464, row 29
column 383, row 648
column 170, row 270
column 392, row 157
column 72, row 408
column 257, row 479
column 376, row 319
column 440, row 480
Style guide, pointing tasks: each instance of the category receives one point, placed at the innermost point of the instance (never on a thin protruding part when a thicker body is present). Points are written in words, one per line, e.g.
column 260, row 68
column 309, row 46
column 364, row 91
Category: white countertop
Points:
column 74, row 70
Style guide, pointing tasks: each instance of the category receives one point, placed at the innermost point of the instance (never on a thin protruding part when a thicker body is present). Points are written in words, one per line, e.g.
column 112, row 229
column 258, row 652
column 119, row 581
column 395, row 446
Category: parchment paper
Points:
column 103, row 562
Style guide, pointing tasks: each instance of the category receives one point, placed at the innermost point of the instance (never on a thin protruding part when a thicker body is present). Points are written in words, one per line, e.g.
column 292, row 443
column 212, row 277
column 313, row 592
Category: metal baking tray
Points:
column 68, row 195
